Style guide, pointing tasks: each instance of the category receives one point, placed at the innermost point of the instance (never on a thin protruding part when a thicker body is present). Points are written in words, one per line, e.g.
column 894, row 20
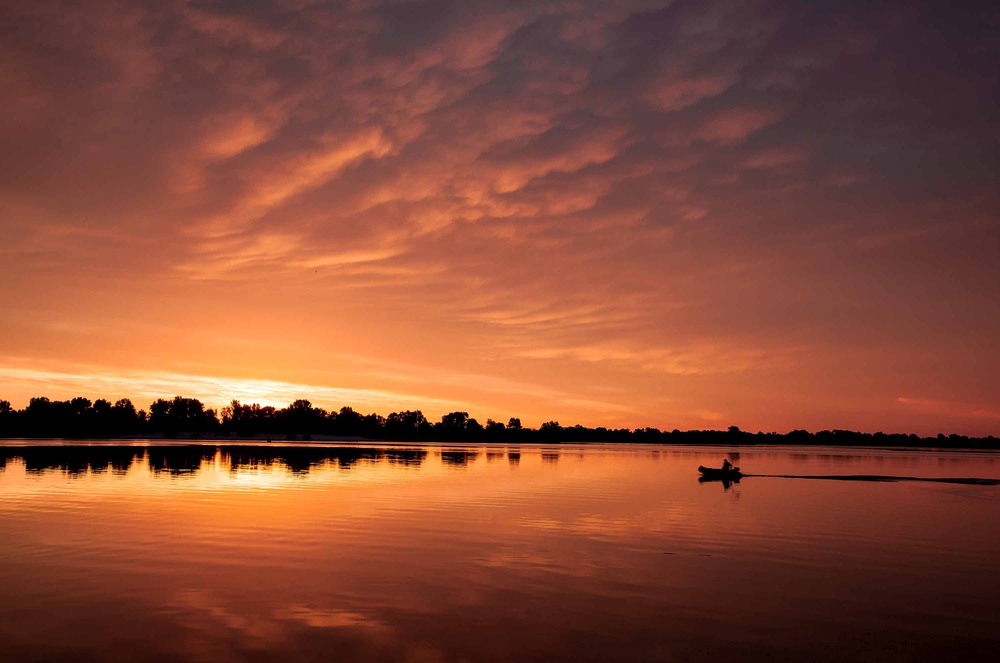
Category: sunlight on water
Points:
column 449, row 553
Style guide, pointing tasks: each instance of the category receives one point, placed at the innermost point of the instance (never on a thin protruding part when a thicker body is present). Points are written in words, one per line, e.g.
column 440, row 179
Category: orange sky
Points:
column 687, row 214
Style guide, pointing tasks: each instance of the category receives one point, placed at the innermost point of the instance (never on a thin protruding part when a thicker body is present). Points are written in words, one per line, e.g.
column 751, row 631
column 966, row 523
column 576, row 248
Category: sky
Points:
column 687, row 214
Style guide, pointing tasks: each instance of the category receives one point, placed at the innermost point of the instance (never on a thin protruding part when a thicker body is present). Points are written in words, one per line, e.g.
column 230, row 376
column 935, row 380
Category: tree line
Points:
column 188, row 417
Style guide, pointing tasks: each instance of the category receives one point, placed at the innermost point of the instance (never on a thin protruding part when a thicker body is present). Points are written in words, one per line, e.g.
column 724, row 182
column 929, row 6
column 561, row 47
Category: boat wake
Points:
column 973, row 481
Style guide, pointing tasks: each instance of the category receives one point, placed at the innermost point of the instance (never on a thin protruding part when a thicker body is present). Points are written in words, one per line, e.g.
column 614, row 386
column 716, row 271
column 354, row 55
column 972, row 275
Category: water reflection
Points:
column 179, row 460
column 236, row 552
column 458, row 458
column 726, row 483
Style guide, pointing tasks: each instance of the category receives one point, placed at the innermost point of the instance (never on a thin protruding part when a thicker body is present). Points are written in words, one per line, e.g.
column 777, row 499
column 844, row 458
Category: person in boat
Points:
column 727, row 466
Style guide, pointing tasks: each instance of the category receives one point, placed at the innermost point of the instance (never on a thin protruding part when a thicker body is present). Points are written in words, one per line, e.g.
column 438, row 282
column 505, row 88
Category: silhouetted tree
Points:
column 79, row 417
column 348, row 422
column 181, row 415
column 124, row 419
column 372, row 425
column 302, row 417
column 6, row 421
column 80, row 405
column 455, row 421
column 474, row 429
column 453, row 426
column 409, row 423
column 494, row 430
column 229, row 415
column 249, row 419
column 550, row 430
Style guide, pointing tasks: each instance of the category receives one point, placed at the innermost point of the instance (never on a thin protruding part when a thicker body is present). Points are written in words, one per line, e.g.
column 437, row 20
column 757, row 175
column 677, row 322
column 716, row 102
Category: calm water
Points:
column 494, row 554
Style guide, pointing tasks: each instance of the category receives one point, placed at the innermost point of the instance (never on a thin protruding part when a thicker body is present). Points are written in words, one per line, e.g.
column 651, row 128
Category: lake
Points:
column 494, row 553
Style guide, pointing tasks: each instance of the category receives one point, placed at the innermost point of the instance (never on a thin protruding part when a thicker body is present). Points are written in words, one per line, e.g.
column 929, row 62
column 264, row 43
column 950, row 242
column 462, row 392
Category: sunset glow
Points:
column 671, row 214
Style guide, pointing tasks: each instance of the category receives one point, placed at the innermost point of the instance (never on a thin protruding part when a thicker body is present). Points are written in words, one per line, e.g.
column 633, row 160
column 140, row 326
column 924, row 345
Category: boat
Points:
column 733, row 474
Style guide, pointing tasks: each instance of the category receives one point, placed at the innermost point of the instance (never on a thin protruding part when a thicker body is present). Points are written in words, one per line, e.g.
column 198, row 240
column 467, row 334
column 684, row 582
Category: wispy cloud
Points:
column 214, row 391
column 551, row 196
column 949, row 408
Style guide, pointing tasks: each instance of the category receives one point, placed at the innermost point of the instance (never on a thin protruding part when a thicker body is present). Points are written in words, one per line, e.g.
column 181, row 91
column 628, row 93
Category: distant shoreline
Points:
column 321, row 441
column 187, row 419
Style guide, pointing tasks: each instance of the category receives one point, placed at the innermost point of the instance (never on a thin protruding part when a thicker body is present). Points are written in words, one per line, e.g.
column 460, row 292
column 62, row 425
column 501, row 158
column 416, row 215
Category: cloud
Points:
column 642, row 193
column 949, row 408
column 214, row 391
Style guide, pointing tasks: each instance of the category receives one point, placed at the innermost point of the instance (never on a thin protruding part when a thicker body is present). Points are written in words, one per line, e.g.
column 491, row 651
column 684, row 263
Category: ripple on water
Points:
column 569, row 553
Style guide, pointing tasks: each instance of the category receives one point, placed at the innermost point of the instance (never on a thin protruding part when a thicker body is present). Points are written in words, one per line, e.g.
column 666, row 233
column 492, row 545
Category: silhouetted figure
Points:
column 726, row 465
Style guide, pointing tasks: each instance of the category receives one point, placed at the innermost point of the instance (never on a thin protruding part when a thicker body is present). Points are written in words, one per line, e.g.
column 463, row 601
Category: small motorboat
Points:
column 732, row 474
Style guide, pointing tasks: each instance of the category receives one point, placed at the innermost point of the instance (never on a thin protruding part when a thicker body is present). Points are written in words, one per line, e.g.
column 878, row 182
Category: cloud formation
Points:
column 782, row 213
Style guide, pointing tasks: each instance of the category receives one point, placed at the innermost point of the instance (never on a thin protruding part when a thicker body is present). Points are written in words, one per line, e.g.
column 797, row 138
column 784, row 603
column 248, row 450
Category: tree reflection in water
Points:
column 181, row 460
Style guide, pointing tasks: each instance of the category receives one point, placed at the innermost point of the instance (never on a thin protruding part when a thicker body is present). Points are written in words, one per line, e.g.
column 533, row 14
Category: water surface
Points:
column 450, row 553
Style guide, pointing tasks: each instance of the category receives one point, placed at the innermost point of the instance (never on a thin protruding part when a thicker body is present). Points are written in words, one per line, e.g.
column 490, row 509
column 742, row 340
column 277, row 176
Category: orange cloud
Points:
column 949, row 408
column 611, row 213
